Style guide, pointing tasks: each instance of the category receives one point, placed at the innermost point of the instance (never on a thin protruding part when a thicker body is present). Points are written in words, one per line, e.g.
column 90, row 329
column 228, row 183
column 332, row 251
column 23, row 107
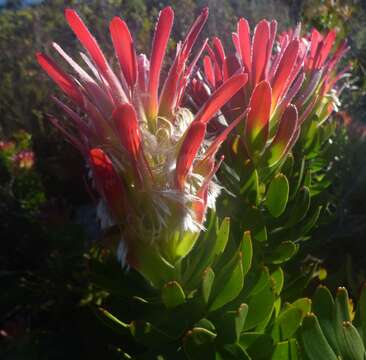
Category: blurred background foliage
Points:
column 47, row 218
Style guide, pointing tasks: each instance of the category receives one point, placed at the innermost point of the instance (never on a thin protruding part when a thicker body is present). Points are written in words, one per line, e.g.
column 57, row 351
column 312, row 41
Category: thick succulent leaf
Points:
column 283, row 252
column 228, row 283
column 286, row 350
column 314, row 342
column 277, row 195
column 247, row 252
column 172, row 295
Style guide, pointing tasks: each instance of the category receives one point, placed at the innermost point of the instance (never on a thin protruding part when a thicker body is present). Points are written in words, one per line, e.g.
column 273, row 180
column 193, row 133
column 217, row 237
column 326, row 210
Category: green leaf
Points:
column 314, row 342
column 231, row 352
column 282, row 253
column 222, row 236
column 254, row 222
column 207, row 282
column 111, row 321
column 303, row 304
column 286, row 350
column 228, row 283
column 260, row 306
column 323, row 305
column 286, row 324
column 278, row 280
column 354, row 348
column 230, row 324
column 258, row 345
column 249, row 182
column 300, row 208
column 247, row 252
column 360, row 318
column 277, row 195
column 199, row 341
column 172, row 295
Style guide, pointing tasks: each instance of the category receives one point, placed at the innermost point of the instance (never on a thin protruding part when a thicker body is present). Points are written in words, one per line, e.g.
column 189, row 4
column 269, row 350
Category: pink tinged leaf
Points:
column 282, row 140
column 243, row 31
column 161, row 37
column 209, row 71
column 188, row 152
column 280, row 83
column 219, row 98
column 64, row 81
column 88, row 41
column 125, row 50
column 125, row 119
column 108, row 181
column 259, row 51
column 256, row 130
column 200, row 206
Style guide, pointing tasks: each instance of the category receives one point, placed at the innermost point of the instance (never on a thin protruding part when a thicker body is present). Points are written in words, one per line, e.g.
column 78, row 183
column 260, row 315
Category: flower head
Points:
column 151, row 159
column 289, row 79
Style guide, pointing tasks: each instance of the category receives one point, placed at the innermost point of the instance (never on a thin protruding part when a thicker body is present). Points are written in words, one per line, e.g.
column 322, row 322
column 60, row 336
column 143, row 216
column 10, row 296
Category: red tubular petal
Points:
column 88, row 41
column 212, row 149
column 218, row 50
column 85, row 37
column 315, row 39
column 188, row 151
column 125, row 118
column 244, row 42
column 283, row 138
column 200, row 206
column 209, row 71
column 175, row 82
column 231, row 66
column 259, row 50
column 256, row 130
column 107, row 180
column 64, row 81
column 272, row 37
column 280, row 81
column 224, row 93
column 326, row 48
column 195, row 30
column 161, row 37
column 124, row 48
